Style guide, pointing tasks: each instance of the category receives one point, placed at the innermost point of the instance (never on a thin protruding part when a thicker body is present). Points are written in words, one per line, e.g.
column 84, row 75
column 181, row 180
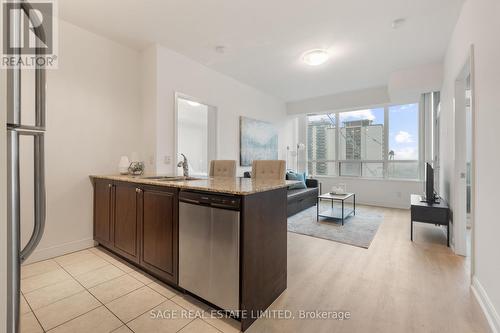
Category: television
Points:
column 429, row 184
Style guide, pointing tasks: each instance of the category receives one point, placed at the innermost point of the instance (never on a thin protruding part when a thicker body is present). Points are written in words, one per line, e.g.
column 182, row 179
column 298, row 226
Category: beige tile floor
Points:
column 394, row 286
column 95, row 291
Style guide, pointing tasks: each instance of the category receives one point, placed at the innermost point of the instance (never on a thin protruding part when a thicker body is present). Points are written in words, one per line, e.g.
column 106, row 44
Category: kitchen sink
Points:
column 179, row 179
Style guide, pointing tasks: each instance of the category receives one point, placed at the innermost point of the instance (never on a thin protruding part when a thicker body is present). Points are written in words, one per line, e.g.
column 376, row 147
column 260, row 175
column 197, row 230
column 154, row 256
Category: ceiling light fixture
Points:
column 315, row 57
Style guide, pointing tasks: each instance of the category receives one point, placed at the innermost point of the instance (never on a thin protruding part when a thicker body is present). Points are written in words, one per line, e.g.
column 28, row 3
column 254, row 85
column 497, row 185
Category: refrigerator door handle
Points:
column 39, row 147
column 13, row 230
column 39, row 71
column 39, row 186
column 14, row 77
column 15, row 128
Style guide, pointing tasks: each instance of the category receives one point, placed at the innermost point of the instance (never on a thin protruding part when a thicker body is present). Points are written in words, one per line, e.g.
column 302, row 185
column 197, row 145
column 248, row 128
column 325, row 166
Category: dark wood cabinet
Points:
column 125, row 227
column 140, row 223
column 103, row 190
column 159, row 230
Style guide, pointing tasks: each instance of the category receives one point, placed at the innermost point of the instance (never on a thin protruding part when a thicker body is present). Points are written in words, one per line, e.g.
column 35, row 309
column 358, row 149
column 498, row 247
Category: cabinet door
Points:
column 126, row 240
column 159, row 225
column 102, row 212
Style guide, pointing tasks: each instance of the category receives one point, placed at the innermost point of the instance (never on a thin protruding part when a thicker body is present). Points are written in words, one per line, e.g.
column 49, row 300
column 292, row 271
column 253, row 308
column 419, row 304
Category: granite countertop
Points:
column 229, row 185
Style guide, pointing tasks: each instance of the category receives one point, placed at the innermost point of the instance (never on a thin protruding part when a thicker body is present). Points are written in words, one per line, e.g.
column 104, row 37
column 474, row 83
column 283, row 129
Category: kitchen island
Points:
column 230, row 232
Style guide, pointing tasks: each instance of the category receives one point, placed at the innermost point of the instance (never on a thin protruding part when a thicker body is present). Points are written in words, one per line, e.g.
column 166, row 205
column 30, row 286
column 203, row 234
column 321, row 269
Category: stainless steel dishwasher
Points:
column 209, row 247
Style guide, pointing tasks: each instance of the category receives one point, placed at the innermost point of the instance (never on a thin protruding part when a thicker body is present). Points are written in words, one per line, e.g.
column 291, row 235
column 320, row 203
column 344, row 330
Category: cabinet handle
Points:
column 138, row 190
column 109, row 185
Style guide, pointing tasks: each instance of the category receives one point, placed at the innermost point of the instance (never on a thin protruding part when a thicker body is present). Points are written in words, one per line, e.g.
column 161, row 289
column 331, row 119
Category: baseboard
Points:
column 485, row 303
column 383, row 204
column 59, row 250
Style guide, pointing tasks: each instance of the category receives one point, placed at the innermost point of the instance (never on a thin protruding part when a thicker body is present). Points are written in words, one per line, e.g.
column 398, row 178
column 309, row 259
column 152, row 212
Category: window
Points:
column 362, row 135
column 361, row 139
column 403, row 142
column 321, row 137
column 371, row 143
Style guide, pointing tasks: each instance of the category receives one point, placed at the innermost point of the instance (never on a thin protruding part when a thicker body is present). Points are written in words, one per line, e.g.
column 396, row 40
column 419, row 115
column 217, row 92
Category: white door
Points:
column 459, row 204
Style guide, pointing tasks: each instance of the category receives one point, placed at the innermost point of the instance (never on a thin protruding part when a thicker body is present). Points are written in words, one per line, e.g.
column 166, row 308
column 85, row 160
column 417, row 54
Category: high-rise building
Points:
column 358, row 140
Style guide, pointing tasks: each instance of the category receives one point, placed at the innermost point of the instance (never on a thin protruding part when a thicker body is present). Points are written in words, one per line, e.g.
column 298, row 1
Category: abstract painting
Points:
column 258, row 141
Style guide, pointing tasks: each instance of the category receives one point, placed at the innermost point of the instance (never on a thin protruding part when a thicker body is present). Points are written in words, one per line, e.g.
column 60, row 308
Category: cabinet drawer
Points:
column 429, row 215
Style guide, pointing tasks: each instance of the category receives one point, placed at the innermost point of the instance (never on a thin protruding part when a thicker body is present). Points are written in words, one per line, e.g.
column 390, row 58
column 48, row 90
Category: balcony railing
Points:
column 378, row 169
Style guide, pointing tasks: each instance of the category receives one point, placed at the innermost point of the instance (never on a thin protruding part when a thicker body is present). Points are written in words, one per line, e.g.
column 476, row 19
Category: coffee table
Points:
column 330, row 213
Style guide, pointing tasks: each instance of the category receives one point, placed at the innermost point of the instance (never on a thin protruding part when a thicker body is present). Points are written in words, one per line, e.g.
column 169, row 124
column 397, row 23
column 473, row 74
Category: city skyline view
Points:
column 403, row 127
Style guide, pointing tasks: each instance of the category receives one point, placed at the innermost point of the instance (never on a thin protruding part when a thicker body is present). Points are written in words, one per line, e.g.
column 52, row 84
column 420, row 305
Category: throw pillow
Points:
column 290, row 175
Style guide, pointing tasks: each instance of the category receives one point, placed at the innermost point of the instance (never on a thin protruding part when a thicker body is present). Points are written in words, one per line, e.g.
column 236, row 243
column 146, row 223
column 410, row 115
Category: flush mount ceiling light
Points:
column 315, row 57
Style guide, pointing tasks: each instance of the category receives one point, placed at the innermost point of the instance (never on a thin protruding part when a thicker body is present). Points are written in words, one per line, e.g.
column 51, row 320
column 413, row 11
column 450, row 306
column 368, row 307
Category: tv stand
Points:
column 436, row 200
column 437, row 212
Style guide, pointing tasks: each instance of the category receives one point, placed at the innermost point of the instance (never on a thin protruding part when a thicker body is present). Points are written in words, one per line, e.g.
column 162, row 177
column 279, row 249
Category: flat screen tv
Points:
column 429, row 184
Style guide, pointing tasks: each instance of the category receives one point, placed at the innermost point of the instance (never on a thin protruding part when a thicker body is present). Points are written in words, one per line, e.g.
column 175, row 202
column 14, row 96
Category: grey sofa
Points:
column 300, row 199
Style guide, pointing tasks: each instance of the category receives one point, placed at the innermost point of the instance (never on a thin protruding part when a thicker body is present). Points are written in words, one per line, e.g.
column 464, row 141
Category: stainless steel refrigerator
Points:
column 16, row 89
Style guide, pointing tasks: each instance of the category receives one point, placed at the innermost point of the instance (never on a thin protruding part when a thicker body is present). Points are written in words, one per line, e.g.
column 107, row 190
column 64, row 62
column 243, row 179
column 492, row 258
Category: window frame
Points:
column 385, row 150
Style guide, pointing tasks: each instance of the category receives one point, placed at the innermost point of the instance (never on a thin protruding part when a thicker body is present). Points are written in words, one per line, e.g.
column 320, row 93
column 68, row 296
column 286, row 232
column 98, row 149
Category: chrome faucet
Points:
column 184, row 165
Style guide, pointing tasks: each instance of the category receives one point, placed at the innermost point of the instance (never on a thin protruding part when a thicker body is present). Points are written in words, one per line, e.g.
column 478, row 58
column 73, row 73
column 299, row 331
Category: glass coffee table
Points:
column 331, row 213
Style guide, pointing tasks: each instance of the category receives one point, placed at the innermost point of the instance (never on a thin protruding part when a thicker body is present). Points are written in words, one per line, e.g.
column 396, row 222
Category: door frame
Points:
column 459, row 193
column 212, row 134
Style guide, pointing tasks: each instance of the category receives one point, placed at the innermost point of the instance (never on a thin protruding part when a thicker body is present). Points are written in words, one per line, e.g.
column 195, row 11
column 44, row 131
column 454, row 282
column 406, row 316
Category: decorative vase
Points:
column 123, row 165
column 136, row 168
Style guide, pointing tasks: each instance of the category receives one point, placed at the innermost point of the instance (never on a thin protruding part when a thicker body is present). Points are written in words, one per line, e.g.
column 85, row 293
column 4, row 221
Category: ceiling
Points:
column 264, row 40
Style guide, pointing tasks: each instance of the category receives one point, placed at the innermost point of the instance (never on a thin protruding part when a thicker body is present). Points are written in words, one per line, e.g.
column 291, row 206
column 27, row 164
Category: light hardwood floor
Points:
column 394, row 286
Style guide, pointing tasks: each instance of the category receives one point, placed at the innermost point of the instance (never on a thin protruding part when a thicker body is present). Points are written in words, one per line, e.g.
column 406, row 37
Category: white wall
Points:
column 176, row 73
column 478, row 25
column 409, row 84
column 342, row 101
column 93, row 117
column 149, row 102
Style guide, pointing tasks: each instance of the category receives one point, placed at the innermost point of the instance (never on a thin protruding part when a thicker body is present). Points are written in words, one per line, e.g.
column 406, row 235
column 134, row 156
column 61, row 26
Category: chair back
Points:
column 222, row 168
column 268, row 169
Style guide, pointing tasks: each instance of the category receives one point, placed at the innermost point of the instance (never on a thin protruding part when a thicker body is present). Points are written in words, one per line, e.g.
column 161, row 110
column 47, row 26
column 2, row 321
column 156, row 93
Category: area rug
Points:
column 358, row 230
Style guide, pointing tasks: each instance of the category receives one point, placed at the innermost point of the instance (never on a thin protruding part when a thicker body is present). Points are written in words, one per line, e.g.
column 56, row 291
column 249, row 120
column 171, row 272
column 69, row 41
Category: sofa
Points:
column 300, row 199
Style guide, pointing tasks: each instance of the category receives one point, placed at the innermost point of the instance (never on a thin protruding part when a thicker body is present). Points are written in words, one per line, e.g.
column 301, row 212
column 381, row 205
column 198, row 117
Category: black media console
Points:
column 433, row 213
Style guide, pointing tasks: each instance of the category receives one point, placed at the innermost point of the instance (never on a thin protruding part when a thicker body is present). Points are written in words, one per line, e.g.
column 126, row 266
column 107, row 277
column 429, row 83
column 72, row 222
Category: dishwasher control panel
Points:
column 210, row 199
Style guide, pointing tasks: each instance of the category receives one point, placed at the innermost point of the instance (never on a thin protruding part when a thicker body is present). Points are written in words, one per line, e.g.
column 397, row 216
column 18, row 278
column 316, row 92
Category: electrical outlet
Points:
column 167, row 159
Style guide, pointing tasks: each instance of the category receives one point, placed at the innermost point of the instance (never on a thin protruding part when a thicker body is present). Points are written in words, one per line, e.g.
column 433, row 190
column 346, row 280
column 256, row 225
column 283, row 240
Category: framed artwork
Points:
column 258, row 141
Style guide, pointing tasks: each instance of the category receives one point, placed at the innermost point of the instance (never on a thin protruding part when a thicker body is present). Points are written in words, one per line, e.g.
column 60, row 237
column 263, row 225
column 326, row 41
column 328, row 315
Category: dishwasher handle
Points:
column 192, row 201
